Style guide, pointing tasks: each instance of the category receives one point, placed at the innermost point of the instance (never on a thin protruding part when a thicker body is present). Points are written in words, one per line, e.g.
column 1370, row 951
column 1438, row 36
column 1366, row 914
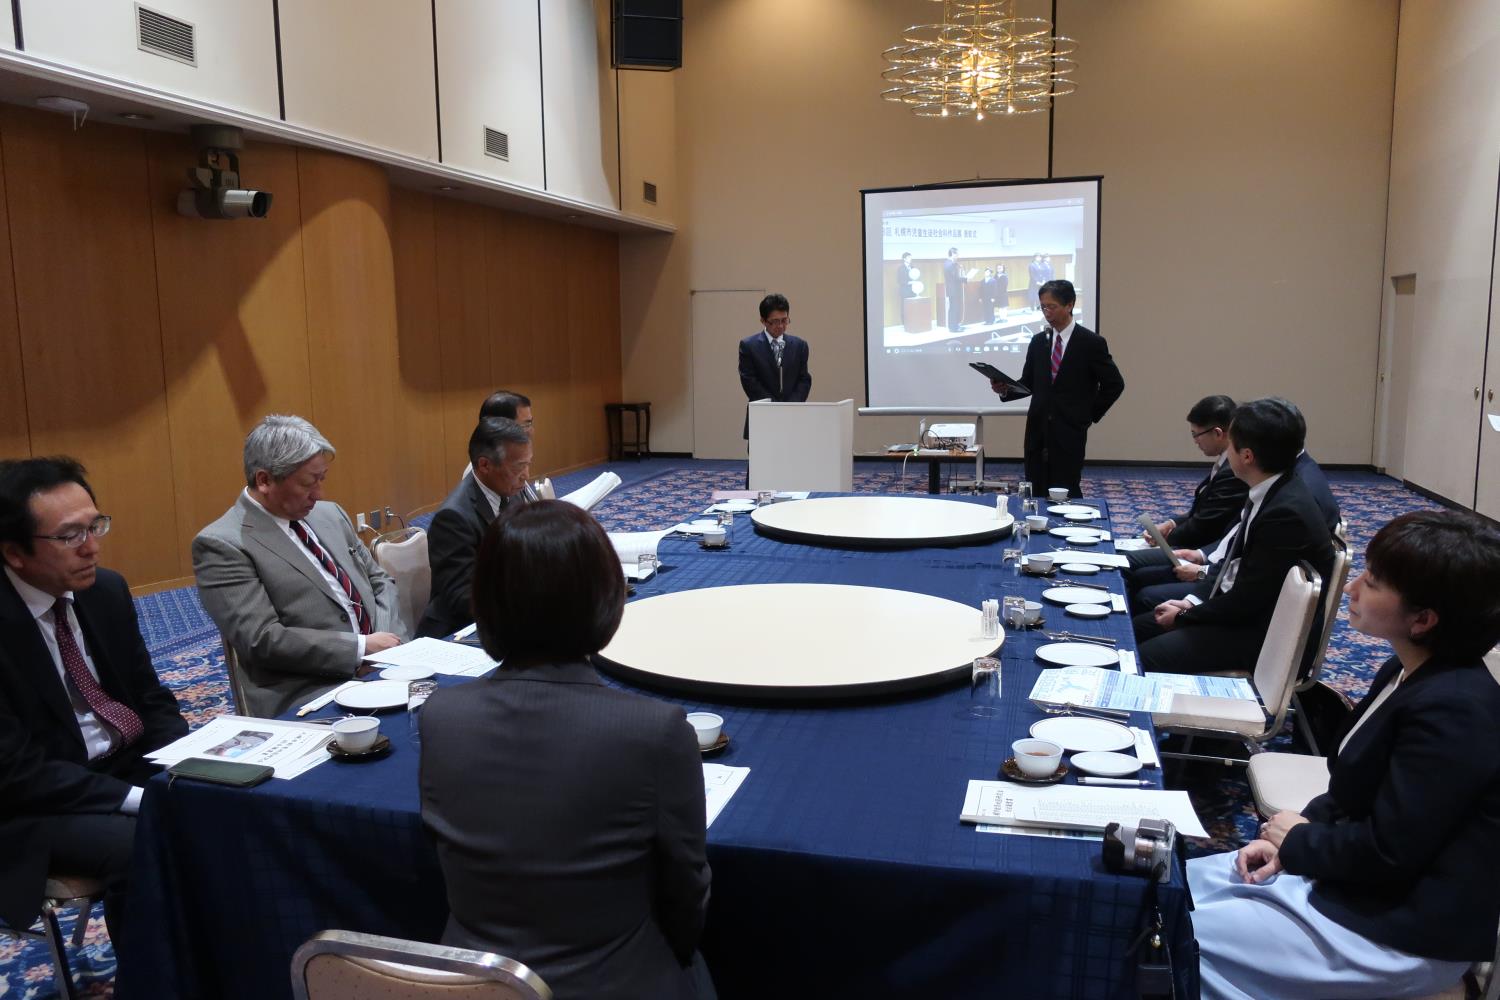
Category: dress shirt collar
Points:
column 494, row 498
column 1219, row 461
column 38, row 602
column 1258, row 493
column 1065, row 333
column 281, row 522
column 770, row 340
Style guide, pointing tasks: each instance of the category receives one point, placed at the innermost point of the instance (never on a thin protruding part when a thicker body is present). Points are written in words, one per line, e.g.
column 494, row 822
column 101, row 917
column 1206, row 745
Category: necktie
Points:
column 1057, row 352
column 122, row 717
column 337, row 572
column 1235, row 548
column 778, row 346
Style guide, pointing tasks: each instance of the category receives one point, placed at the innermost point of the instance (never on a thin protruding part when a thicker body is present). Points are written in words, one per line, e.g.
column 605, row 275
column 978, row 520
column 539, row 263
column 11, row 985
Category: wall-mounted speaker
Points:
column 646, row 34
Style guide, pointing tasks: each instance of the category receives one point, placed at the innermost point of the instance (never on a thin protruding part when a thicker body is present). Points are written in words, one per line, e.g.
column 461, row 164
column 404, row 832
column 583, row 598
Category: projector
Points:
column 214, row 191
column 954, row 437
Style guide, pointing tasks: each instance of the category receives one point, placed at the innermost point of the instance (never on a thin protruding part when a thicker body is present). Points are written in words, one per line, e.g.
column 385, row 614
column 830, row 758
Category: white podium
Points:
column 802, row 446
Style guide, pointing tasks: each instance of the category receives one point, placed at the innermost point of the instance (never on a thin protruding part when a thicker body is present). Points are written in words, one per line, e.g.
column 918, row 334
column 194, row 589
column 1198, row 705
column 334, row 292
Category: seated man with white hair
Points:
column 284, row 576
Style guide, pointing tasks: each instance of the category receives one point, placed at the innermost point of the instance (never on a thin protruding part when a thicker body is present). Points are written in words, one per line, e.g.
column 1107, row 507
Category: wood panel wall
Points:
column 147, row 344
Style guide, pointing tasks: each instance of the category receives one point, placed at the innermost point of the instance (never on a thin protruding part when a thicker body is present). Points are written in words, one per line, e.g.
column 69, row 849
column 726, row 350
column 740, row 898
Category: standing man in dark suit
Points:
column 1073, row 383
column 1038, row 274
column 1217, row 499
column 500, row 452
column 953, row 286
column 904, row 280
column 988, row 287
column 1222, row 623
column 80, row 703
column 773, row 364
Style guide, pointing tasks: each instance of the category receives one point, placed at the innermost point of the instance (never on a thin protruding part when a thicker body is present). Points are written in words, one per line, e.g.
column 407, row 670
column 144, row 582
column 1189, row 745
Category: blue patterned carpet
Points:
column 184, row 643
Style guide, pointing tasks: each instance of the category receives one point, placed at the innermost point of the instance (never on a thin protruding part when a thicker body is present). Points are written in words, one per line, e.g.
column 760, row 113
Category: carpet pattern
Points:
column 184, row 644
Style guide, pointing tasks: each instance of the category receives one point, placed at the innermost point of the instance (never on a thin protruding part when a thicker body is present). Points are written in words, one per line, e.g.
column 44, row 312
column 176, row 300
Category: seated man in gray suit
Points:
column 291, row 587
column 500, row 454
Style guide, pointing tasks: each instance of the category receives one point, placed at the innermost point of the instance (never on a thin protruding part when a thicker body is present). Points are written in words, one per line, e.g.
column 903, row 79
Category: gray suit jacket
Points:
column 277, row 611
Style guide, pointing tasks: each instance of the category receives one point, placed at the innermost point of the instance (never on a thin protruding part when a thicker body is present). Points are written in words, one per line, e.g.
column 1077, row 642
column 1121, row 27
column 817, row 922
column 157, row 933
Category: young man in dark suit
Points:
column 954, row 280
column 1221, row 624
column 80, row 703
column 500, row 453
column 773, row 363
column 1073, row 383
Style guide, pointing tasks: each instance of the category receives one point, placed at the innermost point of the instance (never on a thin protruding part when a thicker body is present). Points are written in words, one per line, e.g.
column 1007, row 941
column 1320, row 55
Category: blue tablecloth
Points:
column 839, row 866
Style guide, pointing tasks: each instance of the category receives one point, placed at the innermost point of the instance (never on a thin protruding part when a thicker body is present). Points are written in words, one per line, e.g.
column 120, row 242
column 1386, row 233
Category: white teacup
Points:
column 715, row 538
column 707, row 726
column 356, row 735
column 1039, row 562
column 1033, row 613
column 1037, row 758
column 1037, row 522
column 1058, row 494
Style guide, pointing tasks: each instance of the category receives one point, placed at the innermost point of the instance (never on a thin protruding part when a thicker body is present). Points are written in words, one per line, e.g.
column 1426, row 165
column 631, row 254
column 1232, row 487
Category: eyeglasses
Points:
column 1198, row 434
column 99, row 527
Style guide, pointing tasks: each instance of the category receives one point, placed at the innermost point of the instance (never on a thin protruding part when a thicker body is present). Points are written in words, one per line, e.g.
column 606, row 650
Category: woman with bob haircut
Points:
column 1384, row 885
column 568, row 815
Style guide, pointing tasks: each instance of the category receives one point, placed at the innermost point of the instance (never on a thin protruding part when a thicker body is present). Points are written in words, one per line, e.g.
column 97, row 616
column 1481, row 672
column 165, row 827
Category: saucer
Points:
column 1011, row 771
column 1051, row 570
column 716, row 745
column 379, row 748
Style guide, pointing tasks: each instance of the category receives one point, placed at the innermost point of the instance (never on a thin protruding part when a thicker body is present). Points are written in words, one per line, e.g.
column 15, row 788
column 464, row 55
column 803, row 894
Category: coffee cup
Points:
column 1037, row 522
column 1037, row 758
column 706, row 726
column 715, row 538
column 1033, row 613
column 1057, row 494
column 356, row 735
column 1039, row 562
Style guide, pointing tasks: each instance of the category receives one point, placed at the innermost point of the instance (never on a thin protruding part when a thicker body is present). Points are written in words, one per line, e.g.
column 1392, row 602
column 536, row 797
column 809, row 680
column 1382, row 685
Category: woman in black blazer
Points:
column 1384, row 886
column 569, row 816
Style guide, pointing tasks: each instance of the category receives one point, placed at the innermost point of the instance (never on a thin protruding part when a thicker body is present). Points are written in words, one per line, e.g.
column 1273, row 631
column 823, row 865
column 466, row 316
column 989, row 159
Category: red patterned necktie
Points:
column 337, row 572
column 122, row 717
column 1057, row 351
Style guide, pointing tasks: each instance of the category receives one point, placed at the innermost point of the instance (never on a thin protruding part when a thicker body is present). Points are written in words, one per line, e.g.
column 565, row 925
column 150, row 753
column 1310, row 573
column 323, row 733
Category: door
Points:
column 721, row 318
column 1394, row 388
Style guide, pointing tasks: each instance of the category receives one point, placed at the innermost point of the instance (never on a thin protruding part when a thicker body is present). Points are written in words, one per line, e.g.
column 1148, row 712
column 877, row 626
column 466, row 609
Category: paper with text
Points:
column 438, row 655
column 720, row 782
column 1076, row 807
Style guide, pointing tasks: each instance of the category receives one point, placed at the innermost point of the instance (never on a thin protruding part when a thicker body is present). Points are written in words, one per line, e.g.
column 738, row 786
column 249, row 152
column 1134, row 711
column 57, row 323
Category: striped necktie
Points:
column 1057, row 353
column 337, row 572
column 120, row 716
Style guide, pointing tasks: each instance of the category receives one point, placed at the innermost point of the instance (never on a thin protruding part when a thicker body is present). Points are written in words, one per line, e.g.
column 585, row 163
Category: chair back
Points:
column 343, row 965
column 403, row 554
column 236, row 678
column 1286, row 638
column 1333, row 595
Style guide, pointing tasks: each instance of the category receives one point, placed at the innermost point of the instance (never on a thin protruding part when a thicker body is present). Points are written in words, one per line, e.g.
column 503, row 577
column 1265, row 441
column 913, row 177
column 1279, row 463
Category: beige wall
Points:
column 1444, row 163
column 1244, row 202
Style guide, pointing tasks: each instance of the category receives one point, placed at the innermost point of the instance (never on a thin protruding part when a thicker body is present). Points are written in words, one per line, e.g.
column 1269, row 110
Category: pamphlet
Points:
column 631, row 545
column 439, row 655
column 1098, row 687
column 1076, row 807
column 589, row 496
column 290, row 748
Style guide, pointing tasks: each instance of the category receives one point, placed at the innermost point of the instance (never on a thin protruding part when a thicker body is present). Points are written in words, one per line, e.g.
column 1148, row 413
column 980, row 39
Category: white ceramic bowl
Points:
column 1058, row 494
column 715, row 538
column 356, row 735
column 1038, row 522
column 708, row 726
column 1039, row 562
column 1037, row 758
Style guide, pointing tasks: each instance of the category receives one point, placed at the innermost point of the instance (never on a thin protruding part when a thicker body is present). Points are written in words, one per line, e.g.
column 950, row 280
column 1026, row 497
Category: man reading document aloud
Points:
column 1073, row 382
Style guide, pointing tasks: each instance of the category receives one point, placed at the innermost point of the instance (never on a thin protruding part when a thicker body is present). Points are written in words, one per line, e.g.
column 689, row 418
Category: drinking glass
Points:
column 1013, row 611
column 1021, row 532
column 726, row 519
column 1023, row 490
column 646, row 564
column 417, row 693
column 984, row 688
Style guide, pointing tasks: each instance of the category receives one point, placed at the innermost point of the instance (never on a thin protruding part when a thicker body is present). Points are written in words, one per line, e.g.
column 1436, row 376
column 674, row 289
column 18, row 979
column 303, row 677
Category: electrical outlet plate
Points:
column 359, row 521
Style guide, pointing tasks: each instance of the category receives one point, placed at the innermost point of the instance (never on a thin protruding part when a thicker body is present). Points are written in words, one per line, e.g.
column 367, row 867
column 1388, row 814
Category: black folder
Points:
column 989, row 371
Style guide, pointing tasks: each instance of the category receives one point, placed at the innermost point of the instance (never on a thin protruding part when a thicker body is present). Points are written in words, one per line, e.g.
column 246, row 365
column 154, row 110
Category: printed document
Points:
column 1076, row 807
column 631, row 545
column 438, row 655
column 720, row 782
column 588, row 496
column 290, row 748
column 1097, row 687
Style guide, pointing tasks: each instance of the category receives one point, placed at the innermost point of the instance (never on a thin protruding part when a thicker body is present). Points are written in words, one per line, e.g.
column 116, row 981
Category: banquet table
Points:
column 840, row 867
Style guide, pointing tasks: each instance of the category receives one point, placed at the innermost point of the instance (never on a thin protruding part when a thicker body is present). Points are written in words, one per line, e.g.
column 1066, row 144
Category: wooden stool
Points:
column 640, row 444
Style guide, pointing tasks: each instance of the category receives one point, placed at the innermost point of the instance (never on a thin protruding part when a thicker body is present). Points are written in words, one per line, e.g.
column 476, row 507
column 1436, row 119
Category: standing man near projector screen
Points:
column 1073, row 383
column 773, row 364
column 953, row 285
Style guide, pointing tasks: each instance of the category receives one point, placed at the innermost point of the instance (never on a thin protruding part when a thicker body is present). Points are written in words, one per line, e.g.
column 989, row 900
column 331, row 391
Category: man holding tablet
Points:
column 1073, row 383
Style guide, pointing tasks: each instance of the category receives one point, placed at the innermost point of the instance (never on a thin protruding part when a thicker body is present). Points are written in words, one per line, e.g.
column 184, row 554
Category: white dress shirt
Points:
column 99, row 737
column 490, row 495
column 328, row 578
column 1257, row 497
column 1064, row 335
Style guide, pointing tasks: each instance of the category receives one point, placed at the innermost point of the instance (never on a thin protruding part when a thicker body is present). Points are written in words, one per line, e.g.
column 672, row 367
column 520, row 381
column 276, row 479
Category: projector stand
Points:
column 977, row 484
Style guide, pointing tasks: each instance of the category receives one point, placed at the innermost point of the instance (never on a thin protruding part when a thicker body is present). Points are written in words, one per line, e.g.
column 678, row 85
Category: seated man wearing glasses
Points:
column 511, row 406
column 80, row 704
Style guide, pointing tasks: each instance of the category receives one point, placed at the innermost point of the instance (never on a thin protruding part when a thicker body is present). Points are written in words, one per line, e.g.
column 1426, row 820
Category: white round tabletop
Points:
column 796, row 641
column 891, row 522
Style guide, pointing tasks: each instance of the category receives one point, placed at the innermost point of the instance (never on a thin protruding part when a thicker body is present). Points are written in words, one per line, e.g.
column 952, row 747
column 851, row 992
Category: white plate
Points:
column 1091, row 516
column 1077, row 654
column 1073, row 732
column 409, row 673
column 1079, row 569
column 1106, row 763
column 1072, row 508
column 736, row 506
column 373, row 695
column 1075, row 531
column 1088, row 610
column 1076, row 595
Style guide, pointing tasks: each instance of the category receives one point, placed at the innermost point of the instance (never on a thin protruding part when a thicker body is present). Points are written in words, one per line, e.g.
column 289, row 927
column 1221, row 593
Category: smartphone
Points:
column 221, row 772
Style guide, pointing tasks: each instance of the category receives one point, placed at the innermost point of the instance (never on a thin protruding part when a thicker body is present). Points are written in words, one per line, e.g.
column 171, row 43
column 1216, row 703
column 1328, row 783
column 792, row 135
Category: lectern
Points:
column 802, row 446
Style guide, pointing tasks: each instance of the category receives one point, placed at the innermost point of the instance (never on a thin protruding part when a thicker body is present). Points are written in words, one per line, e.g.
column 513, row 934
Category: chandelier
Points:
column 981, row 60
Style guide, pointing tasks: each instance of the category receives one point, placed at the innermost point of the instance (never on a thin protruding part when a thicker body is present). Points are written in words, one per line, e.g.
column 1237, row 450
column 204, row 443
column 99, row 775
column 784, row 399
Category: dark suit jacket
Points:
column 452, row 543
column 1088, row 383
column 1402, row 845
column 759, row 378
column 44, row 766
column 1217, row 503
column 1286, row 530
column 569, row 822
column 1311, row 474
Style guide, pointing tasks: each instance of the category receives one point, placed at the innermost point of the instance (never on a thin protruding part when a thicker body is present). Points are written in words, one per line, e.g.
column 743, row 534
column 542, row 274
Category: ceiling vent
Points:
column 166, row 36
column 648, row 192
column 497, row 144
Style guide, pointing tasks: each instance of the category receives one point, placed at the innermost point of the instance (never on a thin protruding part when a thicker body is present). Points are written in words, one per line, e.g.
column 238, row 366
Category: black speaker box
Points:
column 647, row 34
